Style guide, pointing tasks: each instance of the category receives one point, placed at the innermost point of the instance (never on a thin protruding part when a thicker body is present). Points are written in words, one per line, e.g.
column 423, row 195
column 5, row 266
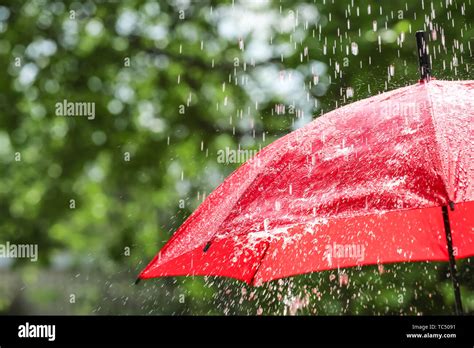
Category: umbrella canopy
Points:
column 365, row 184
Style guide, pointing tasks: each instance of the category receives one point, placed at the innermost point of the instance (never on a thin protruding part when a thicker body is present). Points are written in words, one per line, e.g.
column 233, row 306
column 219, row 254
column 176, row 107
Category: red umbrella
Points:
column 386, row 179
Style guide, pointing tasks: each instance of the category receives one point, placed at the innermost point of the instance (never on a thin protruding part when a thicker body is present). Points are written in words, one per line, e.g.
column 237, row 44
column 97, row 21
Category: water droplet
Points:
column 354, row 48
column 349, row 92
column 391, row 70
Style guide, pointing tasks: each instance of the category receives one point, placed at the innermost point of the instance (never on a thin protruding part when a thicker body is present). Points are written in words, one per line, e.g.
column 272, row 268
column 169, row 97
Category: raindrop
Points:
column 391, row 70
column 343, row 279
column 241, row 44
column 277, row 205
column 349, row 92
column 355, row 49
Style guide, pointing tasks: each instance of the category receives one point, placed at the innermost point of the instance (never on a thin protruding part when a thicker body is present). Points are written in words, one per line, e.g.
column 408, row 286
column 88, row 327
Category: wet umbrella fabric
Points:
column 365, row 184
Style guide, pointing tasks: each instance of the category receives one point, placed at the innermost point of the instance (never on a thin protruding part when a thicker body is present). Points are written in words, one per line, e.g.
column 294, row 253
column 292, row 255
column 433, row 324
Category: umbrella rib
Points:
column 260, row 264
column 437, row 152
column 275, row 157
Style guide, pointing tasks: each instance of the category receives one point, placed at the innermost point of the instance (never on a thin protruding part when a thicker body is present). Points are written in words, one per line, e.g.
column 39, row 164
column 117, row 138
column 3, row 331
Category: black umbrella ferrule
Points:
column 423, row 57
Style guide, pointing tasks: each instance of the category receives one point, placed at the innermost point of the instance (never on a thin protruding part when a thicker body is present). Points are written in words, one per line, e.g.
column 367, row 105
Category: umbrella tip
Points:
column 207, row 246
column 137, row 280
column 423, row 57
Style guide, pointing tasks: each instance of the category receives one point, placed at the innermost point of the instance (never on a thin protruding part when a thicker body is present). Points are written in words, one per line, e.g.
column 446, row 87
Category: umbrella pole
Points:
column 452, row 260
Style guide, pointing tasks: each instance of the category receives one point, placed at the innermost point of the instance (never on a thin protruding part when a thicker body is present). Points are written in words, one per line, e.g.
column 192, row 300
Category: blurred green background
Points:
column 173, row 83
